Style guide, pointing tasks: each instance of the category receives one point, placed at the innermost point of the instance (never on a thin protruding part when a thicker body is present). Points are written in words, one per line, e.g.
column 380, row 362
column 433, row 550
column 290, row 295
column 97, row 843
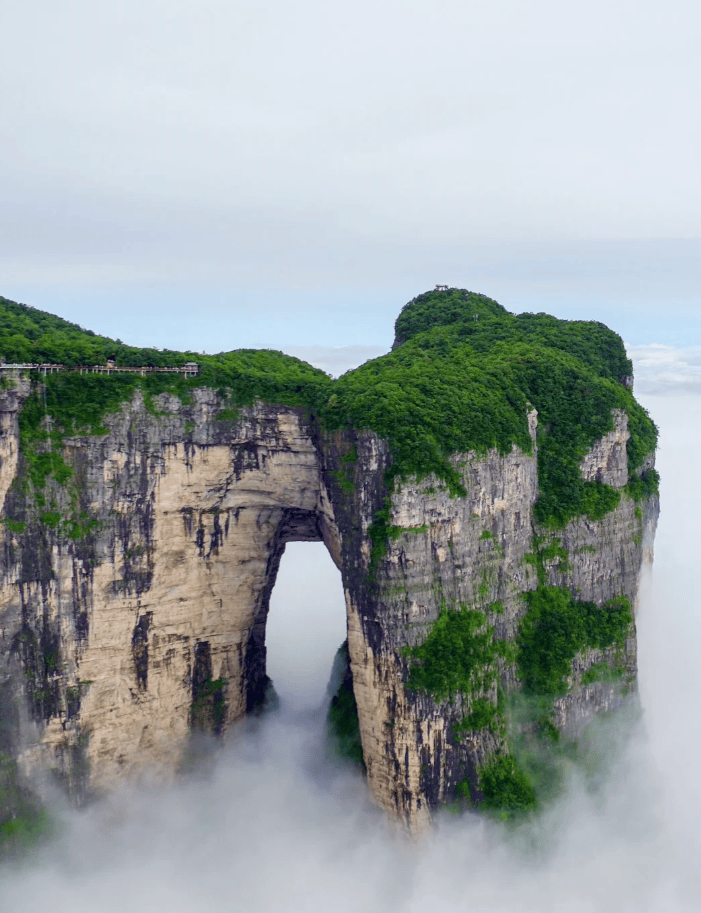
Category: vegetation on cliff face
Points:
column 342, row 722
column 23, row 823
column 461, row 662
column 644, row 486
column 458, row 655
column 69, row 403
column 506, row 787
column 30, row 335
column 78, row 403
column 556, row 627
column 462, row 376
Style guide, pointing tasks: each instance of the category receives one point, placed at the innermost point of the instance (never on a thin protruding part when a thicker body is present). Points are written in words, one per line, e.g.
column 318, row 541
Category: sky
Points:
column 219, row 175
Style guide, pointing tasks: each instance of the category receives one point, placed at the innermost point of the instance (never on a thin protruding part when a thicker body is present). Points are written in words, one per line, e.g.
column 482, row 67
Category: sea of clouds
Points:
column 275, row 823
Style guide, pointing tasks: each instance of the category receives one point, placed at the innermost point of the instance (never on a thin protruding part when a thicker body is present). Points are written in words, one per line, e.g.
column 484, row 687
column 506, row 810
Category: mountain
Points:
column 487, row 490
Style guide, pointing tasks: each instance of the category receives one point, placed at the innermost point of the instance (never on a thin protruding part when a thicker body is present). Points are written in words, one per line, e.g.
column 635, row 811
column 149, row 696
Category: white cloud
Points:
column 335, row 360
column 665, row 369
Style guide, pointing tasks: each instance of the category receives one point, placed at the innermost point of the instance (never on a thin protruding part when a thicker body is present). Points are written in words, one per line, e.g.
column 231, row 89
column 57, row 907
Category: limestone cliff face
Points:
column 11, row 400
column 116, row 643
column 607, row 461
column 127, row 635
column 472, row 551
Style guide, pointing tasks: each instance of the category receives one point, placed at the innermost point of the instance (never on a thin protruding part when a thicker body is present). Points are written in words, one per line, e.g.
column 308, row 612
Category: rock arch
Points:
column 120, row 641
column 204, row 541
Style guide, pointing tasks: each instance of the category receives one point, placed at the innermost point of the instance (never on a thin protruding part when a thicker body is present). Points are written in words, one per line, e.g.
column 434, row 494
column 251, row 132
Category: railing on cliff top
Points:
column 189, row 369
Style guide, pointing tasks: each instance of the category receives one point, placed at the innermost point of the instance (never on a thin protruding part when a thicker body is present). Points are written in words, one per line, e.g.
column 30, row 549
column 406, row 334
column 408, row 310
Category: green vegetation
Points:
column 458, row 656
column 50, row 518
column 208, row 709
column 549, row 550
column 25, row 830
column 643, row 486
column 461, row 378
column 506, row 787
column 380, row 532
column 455, row 384
column 553, row 550
column 556, row 627
column 30, row 335
column 342, row 721
column 23, row 823
column 542, row 756
column 344, row 475
column 79, row 403
column 602, row 672
column 483, row 715
column 458, row 384
column 547, row 758
column 15, row 526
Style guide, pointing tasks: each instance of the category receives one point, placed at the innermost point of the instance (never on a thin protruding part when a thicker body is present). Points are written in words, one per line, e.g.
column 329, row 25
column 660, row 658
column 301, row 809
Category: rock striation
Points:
column 473, row 551
column 147, row 622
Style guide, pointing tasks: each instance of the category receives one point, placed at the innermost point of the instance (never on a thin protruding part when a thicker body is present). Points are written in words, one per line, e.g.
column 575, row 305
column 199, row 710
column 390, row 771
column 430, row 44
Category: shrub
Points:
column 456, row 656
column 556, row 627
column 506, row 787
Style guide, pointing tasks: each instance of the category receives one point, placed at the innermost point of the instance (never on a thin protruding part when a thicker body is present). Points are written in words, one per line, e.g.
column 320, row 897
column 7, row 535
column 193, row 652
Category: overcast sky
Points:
column 267, row 173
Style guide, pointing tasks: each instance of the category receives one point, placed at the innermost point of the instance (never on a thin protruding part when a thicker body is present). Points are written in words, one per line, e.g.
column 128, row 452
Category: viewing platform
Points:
column 42, row 369
column 189, row 369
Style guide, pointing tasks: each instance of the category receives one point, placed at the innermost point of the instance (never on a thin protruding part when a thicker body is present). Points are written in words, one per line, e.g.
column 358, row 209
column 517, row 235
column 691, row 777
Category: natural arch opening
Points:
column 295, row 526
column 306, row 624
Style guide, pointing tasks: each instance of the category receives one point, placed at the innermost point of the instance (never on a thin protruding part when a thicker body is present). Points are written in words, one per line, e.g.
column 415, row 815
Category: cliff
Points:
column 487, row 491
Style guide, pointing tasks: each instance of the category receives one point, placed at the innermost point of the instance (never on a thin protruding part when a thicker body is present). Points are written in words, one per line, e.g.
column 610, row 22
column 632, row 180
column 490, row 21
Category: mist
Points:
column 276, row 823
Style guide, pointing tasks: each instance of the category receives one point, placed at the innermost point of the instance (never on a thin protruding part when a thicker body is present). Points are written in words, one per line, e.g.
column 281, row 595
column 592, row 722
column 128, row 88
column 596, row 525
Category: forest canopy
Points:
column 462, row 376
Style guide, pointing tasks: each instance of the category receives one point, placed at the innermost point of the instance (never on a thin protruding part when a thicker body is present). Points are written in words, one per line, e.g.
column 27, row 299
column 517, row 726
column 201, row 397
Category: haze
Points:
column 268, row 174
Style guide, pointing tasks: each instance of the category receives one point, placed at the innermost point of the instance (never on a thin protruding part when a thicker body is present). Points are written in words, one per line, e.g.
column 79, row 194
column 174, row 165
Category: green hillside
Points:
column 460, row 378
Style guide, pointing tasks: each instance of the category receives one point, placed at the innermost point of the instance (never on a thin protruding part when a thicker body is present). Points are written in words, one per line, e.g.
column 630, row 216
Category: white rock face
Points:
column 451, row 551
column 607, row 461
column 473, row 552
column 190, row 539
column 11, row 400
